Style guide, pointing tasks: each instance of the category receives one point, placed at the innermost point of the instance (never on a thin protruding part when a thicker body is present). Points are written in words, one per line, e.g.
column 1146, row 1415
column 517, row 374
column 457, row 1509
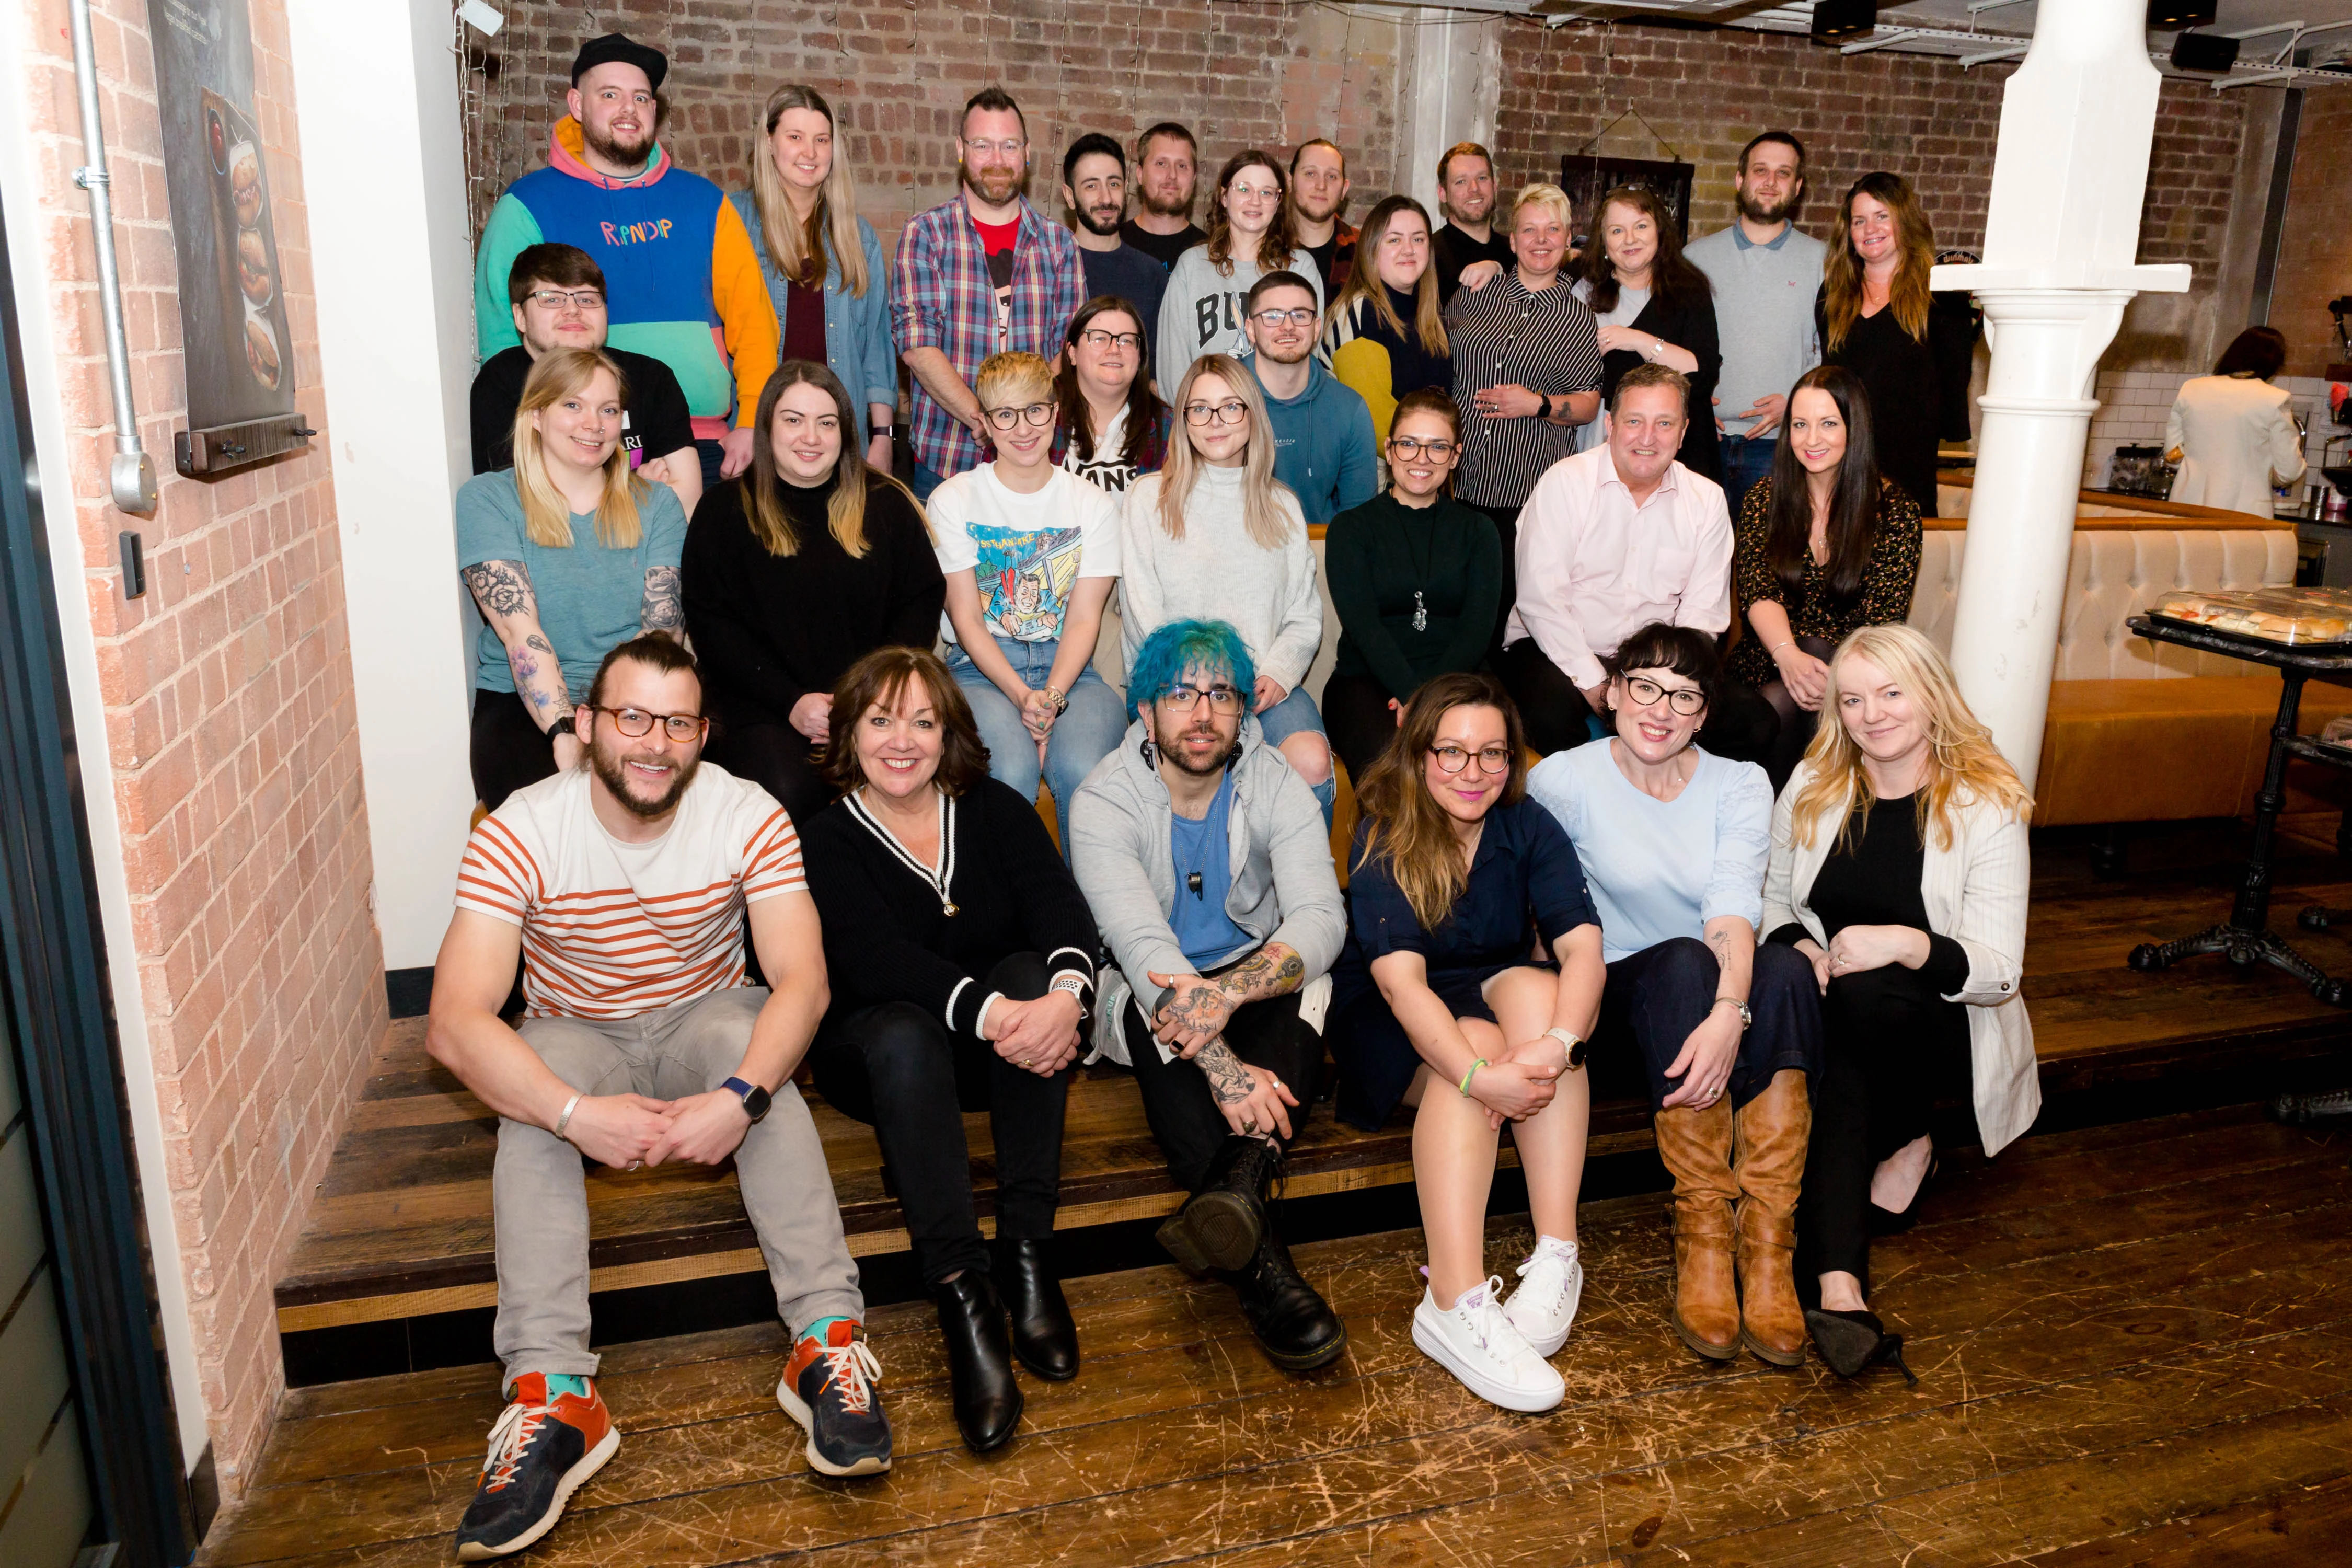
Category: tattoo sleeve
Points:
column 502, row 590
column 662, row 610
column 1229, row 1081
column 1274, row 969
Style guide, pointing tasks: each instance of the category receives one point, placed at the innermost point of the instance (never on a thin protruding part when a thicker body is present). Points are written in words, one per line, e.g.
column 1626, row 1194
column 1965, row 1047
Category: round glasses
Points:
column 1184, row 699
column 1233, row 411
column 1645, row 693
column 1410, row 448
column 637, row 723
column 1035, row 413
column 1454, row 759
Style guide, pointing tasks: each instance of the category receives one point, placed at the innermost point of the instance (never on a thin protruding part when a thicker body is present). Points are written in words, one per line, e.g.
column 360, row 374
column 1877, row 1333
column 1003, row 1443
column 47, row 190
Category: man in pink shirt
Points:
column 1610, row 541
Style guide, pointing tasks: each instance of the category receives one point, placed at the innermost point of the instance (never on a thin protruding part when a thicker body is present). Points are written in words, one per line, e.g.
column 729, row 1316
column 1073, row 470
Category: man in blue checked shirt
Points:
column 981, row 274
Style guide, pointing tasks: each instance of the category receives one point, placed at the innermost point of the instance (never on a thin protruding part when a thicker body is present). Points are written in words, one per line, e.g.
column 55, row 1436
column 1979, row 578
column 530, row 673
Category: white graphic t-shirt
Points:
column 1107, row 471
column 1024, row 553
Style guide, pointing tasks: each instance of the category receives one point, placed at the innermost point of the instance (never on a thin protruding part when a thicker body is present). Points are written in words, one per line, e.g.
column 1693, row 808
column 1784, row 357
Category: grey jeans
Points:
column 539, row 1193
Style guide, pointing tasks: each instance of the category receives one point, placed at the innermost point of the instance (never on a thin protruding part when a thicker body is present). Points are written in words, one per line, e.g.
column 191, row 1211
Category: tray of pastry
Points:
column 2292, row 615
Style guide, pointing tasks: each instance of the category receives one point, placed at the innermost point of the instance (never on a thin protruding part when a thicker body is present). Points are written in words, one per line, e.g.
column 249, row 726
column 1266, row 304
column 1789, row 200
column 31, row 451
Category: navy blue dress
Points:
column 1524, row 881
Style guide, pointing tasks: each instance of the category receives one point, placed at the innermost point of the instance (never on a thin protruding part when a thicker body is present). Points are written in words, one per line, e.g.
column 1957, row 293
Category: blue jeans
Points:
column 1746, row 460
column 923, row 481
column 1297, row 715
column 1079, row 739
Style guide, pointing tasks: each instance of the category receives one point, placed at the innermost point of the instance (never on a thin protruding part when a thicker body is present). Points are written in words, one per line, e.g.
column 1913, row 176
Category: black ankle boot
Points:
column 1852, row 1342
column 980, row 1362
column 1042, row 1335
column 1296, row 1327
column 1220, row 1225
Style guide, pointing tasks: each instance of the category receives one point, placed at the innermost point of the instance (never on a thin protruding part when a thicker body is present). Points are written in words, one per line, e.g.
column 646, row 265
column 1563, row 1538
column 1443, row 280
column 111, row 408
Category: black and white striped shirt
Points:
column 1503, row 335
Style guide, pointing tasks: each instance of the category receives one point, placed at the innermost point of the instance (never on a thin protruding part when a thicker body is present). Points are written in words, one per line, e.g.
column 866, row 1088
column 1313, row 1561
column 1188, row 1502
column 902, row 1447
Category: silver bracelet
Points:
column 565, row 1120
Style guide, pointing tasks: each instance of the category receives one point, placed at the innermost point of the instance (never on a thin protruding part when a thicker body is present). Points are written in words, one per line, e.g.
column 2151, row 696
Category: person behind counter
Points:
column 2232, row 433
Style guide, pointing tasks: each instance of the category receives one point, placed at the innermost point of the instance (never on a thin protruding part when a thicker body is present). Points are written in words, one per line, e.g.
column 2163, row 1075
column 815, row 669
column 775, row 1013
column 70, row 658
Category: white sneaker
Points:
column 1544, row 1306
column 1474, row 1341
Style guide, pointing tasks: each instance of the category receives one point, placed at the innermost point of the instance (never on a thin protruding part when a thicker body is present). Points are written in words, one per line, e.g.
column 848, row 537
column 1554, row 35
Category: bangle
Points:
column 1777, row 647
column 1465, row 1084
column 565, row 1120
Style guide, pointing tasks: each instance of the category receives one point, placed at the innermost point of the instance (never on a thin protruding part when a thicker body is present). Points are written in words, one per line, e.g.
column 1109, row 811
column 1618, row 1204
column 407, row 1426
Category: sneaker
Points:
column 541, row 1450
column 828, row 1387
column 1544, row 1306
column 1474, row 1341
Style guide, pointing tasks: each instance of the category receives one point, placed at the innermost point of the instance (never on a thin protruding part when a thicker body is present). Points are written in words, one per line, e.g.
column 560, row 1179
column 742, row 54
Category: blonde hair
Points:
column 1007, row 376
column 853, row 481
column 546, row 514
column 1551, row 198
column 790, row 245
column 1915, row 244
column 1964, row 767
column 1263, row 517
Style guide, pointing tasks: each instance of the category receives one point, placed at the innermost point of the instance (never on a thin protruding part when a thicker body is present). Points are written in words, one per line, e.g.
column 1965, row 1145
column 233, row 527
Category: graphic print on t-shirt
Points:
column 997, row 240
column 1025, row 576
column 1215, row 316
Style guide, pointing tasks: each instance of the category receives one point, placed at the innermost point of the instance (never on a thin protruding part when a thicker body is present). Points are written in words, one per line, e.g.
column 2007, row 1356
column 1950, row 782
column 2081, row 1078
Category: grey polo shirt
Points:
column 1764, row 298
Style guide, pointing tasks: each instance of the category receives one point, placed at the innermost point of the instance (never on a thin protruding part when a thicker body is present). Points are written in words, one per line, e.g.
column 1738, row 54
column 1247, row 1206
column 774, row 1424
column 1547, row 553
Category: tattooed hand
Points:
column 1252, row 1099
column 1194, row 1014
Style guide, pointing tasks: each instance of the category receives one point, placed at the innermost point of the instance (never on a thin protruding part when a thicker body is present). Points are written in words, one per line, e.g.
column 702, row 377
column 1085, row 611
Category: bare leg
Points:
column 1897, row 1180
column 1552, row 1142
column 1454, row 1171
column 1841, row 1292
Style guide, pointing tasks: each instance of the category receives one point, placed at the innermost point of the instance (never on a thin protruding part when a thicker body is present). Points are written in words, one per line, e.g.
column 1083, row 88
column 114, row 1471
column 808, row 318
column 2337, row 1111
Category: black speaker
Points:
column 2180, row 13
column 1843, row 18
column 2204, row 52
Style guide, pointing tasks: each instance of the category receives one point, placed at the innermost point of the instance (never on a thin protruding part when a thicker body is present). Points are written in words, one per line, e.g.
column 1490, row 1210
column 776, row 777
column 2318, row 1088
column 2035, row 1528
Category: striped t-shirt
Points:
column 613, row 930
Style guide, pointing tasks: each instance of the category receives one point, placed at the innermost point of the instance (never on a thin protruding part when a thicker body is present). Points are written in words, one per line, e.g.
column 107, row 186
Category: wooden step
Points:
column 400, row 1227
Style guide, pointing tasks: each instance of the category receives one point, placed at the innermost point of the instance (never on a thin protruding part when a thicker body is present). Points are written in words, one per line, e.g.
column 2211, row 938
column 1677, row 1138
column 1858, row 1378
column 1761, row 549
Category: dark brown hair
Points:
column 854, row 483
column 1673, row 278
column 1280, row 243
column 1686, row 650
column 1144, row 409
column 563, row 266
column 880, row 679
column 656, row 650
column 1857, row 507
column 2257, row 351
column 1407, row 828
column 1915, row 240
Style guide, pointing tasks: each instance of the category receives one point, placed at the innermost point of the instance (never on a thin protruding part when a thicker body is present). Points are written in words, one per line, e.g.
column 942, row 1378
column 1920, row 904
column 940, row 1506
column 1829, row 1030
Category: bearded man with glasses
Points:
column 1206, row 862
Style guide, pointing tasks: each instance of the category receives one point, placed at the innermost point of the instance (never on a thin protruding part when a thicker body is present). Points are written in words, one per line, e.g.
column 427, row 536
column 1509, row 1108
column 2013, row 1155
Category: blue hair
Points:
column 1171, row 650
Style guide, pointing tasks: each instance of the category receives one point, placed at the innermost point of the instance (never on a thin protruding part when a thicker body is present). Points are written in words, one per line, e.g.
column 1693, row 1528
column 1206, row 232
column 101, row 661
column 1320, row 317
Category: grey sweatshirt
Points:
column 1201, row 313
column 1217, row 572
column 1763, row 315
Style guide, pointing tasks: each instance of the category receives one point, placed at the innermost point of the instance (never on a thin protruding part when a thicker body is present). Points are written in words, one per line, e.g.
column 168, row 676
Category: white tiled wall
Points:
column 2133, row 404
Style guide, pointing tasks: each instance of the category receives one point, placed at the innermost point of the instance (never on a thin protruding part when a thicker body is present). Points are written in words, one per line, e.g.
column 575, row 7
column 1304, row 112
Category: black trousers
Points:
column 1357, row 720
column 1507, row 528
column 1740, row 725
column 712, row 455
column 780, row 759
column 1655, row 998
column 1890, row 1043
column 1183, row 1114
column 1797, row 724
column 507, row 750
column 897, row 1069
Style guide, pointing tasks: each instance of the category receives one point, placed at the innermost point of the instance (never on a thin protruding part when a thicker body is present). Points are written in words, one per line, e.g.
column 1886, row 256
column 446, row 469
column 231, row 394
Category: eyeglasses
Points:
column 1296, row 316
column 1008, row 419
column 1454, row 759
column 1231, row 411
column 556, row 299
column 635, row 723
column 1684, row 700
column 1184, row 699
column 1096, row 338
column 979, row 146
column 1409, row 447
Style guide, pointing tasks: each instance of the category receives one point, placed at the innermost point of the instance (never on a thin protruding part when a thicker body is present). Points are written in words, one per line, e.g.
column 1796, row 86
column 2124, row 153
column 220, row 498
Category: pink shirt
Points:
column 1593, row 567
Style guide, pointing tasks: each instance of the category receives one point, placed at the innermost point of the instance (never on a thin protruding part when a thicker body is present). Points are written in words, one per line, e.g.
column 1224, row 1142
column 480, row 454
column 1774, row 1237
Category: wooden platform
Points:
column 2134, row 1345
column 401, row 1226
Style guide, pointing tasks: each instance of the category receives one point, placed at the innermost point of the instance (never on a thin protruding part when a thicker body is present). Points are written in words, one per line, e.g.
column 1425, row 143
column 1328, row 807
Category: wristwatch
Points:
column 756, row 1099
column 1746, row 1017
column 1545, row 413
column 560, row 728
column 1574, row 1043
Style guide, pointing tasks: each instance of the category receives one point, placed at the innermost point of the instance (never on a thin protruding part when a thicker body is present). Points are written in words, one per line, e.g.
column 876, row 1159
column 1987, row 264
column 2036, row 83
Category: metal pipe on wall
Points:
column 130, row 477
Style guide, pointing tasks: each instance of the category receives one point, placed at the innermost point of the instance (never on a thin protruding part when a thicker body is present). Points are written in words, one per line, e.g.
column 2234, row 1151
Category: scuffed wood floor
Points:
column 2135, row 1346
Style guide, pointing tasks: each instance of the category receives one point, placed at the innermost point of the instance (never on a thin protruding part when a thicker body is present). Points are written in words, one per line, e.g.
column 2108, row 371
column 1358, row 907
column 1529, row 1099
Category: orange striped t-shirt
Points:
column 613, row 930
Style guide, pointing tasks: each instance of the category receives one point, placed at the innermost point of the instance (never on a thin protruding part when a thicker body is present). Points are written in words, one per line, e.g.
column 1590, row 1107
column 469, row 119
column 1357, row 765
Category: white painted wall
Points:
column 376, row 89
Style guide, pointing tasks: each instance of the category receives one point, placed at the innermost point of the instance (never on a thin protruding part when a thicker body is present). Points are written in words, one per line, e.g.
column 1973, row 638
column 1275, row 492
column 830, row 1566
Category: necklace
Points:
column 1421, row 566
column 938, row 878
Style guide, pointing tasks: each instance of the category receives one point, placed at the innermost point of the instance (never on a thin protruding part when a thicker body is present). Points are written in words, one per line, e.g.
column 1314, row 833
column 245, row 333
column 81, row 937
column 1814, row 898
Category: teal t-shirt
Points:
column 589, row 597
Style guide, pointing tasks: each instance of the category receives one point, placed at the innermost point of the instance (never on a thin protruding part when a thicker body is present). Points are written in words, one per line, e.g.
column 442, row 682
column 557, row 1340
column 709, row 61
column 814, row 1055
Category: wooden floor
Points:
column 2134, row 1345
column 401, row 1224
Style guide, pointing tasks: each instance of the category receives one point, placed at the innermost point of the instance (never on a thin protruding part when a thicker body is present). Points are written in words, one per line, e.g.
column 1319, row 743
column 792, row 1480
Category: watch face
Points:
column 755, row 1104
column 1575, row 1056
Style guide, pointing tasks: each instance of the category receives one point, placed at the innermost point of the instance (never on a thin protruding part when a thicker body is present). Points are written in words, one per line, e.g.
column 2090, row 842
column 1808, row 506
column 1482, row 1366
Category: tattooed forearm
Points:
column 1229, row 1081
column 502, row 589
column 663, row 611
column 1272, row 971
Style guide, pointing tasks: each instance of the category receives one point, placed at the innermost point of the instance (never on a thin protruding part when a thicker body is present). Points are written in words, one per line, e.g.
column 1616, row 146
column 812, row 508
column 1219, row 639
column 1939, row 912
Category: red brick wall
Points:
column 230, row 748
column 2315, row 262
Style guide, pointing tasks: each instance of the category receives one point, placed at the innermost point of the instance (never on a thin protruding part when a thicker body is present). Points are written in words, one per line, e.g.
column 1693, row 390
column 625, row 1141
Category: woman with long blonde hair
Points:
column 1216, row 536
column 1454, row 877
column 825, row 268
column 795, row 571
column 1899, row 869
column 568, row 555
column 1383, row 334
column 1911, row 349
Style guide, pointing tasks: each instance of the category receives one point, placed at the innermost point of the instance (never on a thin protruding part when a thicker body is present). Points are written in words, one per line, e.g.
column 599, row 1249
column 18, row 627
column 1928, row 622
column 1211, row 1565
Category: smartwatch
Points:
column 1574, row 1043
column 1545, row 413
column 756, row 1099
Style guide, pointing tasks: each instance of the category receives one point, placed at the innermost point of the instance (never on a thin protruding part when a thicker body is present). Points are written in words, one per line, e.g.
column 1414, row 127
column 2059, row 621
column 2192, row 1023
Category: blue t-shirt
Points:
column 590, row 596
column 1132, row 275
column 1204, row 848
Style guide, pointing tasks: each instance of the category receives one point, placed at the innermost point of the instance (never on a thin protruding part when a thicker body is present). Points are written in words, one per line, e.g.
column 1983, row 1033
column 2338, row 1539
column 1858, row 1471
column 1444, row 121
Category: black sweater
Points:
column 1686, row 325
column 887, row 938
column 1378, row 554
column 1918, row 391
column 769, row 629
column 1875, row 881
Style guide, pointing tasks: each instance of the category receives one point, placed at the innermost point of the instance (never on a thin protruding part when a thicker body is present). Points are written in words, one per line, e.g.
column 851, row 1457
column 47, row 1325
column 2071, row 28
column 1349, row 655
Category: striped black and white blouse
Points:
column 1503, row 335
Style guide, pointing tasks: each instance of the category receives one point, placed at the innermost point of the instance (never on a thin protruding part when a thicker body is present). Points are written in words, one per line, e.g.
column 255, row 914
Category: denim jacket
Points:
column 857, row 346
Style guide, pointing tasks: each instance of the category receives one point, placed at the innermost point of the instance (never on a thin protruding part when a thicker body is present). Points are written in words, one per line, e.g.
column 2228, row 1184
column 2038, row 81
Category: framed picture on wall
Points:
column 1588, row 176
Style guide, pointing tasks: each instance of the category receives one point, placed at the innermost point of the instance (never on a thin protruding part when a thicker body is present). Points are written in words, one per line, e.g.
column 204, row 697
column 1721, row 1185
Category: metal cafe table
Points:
column 2245, row 938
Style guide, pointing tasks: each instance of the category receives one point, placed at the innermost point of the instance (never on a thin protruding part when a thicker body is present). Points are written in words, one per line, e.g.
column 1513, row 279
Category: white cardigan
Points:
column 1975, row 893
column 2235, row 437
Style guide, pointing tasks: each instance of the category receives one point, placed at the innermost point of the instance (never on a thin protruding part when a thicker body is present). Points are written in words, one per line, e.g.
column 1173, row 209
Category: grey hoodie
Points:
column 1283, row 890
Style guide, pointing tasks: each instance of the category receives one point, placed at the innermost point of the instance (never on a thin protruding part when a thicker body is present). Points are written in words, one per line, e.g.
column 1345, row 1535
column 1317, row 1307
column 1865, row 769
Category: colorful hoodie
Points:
column 682, row 283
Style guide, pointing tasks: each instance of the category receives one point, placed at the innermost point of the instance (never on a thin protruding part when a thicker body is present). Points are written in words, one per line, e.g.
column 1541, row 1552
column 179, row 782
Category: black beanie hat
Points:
column 620, row 47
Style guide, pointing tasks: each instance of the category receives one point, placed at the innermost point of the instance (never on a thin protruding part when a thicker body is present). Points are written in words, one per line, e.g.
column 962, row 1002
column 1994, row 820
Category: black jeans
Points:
column 1176, row 1100
column 895, row 1067
column 1357, row 722
column 780, row 759
column 1740, row 725
column 1655, row 998
column 1505, row 520
column 1890, row 1043
column 507, row 749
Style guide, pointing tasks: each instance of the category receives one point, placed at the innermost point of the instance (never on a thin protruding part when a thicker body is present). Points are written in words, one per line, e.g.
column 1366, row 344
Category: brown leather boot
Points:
column 1696, row 1145
column 1772, row 1131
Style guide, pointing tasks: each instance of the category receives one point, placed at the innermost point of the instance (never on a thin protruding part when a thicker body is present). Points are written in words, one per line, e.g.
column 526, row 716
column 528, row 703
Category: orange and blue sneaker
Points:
column 829, row 1387
column 544, row 1446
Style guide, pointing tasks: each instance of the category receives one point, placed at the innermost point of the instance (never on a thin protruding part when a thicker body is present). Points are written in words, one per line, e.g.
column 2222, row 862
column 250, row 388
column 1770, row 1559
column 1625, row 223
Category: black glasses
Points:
column 1184, row 699
column 1035, row 413
column 1233, row 411
column 1409, row 447
column 556, row 299
column 1454, row 759
column 1645, row 693
column 1096, row 338
column 637, row 723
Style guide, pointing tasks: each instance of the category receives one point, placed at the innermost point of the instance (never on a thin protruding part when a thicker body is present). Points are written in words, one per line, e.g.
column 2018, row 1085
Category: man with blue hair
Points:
column 1208, row 867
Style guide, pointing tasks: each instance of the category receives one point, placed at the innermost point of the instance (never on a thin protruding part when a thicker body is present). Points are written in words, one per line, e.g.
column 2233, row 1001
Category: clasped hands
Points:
column 1194, row 1018
column 1857, row 949
column 1522, row 1082
column 626, row 1130
column 1039, row 1035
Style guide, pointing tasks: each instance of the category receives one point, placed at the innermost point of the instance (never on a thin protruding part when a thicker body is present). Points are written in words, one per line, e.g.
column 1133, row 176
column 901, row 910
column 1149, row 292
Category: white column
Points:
column 2068, row 177
column 376, row 90
column 1457, row 59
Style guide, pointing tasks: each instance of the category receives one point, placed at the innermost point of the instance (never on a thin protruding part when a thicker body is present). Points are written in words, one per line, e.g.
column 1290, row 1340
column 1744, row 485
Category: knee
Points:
column 1309, row 756
column 1684, row 966
column 1780, row 972
column 904, row 1045
column 1021, row 976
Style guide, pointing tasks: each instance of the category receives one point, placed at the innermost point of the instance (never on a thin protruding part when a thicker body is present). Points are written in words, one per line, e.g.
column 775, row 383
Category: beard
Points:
column 1310, row 214
column 994, row 186
column 1091, row 220
column 613, row 149
column 1213, row 764
column 1757, row 212
column 1152, row 203
column 609, row 767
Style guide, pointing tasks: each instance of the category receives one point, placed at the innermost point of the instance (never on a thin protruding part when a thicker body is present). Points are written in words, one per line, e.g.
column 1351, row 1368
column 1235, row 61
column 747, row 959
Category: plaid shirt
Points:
column 941, row 299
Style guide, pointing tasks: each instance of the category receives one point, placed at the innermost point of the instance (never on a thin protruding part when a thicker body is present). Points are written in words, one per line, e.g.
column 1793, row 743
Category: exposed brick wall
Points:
column 230, row 749
column 2315, row 263
column 1241, row 73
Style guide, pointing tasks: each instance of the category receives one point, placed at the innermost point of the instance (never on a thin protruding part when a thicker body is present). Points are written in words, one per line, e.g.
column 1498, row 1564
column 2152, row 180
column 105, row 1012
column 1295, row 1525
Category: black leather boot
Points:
column 1294, row 1326
column 980, row 1362
column 1220, row 1225
column 1044, row 1337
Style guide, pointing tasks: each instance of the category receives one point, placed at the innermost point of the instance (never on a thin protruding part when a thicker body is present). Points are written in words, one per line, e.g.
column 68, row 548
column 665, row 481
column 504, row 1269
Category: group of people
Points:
column 712, row 732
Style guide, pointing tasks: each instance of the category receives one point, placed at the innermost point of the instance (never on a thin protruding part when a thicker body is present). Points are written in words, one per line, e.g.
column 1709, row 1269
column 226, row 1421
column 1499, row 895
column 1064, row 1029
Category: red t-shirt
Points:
column 997, row 239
